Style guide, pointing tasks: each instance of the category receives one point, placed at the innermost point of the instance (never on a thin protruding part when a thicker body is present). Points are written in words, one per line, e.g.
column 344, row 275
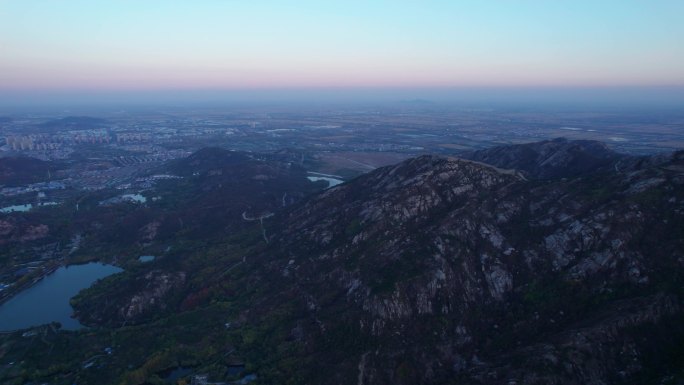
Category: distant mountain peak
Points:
column 557, row 158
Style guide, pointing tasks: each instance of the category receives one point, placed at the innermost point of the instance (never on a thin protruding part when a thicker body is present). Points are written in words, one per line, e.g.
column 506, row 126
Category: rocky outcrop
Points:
column 13, row 230
column 444, row 270
column 157, row 285
column 609, row 349
column 130, row 298
column 469, row 271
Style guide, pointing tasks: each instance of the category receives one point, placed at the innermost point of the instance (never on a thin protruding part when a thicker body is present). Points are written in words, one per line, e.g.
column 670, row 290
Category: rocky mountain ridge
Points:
column 443, row 260
column 548, row 159
column 436, row 270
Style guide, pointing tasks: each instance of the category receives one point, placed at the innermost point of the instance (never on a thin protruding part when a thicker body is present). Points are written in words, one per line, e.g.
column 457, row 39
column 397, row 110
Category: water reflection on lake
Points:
column 48, row 300
column 24, row 207
column 146, row 258
column 332, row 182
column 137, row 198
column 16, row 208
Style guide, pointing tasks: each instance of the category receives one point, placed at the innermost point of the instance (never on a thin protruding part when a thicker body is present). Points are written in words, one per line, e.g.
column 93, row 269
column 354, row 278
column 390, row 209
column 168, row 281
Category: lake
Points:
column 131, row 198
column 332, row 182
column 24, row 208
column 146, row 258
column 16, row 208
column 135, row 198
column 48, row 300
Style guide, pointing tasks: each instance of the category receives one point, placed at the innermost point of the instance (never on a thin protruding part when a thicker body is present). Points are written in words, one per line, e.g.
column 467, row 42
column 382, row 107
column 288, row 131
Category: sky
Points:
column 97, row 46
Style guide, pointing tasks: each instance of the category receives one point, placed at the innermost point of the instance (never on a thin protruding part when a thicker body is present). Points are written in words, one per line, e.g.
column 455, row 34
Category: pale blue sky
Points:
column 162, row 44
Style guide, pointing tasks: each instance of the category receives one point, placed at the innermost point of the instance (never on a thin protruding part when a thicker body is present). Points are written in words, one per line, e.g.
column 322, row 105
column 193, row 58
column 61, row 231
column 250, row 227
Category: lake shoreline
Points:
column 27, row 285
column 53, row 289
column 11, row 292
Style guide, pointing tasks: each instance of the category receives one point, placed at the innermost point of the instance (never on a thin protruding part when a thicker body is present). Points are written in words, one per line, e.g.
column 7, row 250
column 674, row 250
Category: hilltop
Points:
column 558, row 263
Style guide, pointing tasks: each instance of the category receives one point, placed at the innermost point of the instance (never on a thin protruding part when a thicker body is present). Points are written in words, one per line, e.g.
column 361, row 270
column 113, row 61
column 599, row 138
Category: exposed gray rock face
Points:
column 157, row 285
column 143, row 297
column 444, row 270
column 13, row 230
column 585, row 354
column 482, row 274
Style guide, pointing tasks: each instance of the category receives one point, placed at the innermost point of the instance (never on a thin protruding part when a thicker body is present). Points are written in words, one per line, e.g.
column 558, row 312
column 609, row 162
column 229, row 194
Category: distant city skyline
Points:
column 155, row 45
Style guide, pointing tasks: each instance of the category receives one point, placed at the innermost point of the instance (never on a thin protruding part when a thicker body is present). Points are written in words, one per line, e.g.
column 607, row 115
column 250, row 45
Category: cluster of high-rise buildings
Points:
column 29, row 142
column 55, row 141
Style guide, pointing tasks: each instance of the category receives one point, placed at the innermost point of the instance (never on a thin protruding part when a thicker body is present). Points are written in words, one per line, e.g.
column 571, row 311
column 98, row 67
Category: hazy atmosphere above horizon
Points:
column 155, row 46
column 371, row 192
